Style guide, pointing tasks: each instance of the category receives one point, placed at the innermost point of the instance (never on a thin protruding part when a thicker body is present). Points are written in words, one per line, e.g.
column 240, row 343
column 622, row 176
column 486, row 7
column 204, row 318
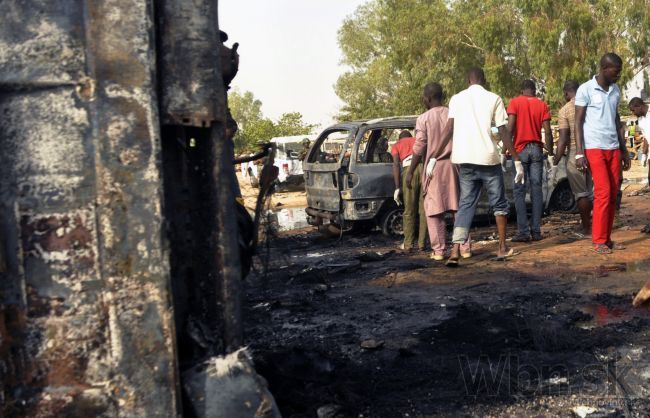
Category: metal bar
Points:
column 226, row 240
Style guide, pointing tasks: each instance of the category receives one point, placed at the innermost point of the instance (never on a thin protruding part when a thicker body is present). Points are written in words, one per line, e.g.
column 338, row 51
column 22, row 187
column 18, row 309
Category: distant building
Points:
column 635, row 87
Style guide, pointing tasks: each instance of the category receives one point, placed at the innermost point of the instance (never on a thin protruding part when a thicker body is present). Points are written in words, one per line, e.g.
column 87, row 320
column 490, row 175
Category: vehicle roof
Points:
column 292, row 139
column 387, row 121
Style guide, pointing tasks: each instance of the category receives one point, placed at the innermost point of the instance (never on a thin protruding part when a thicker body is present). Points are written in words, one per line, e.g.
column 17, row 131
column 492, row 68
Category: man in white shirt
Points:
column 601, row 148
column 640, row 110
column 471, row 115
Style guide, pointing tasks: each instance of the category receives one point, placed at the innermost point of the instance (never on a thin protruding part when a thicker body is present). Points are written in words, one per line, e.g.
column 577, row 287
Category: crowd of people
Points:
column 453, row 156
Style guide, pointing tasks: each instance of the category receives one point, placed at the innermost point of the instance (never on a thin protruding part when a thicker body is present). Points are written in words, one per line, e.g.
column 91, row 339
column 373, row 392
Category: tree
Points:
column 292, row 124
column 245, row 108
column 394, row 47
column 254, row 128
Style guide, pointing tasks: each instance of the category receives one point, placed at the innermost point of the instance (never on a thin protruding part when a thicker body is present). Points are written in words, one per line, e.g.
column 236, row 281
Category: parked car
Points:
column 348, row 177
column 289, row 154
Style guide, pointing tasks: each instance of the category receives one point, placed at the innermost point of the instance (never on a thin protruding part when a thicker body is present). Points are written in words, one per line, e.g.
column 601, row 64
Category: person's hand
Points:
column 409, row 179
column 581, row 162
column 430, row 165
column 396, row 197
column 556, row 159
column 519, row 169
column 626, row 161
column 504, row 163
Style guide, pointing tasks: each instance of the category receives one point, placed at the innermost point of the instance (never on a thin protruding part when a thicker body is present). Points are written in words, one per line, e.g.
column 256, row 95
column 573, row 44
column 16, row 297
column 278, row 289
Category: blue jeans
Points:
column 472, row 178
column 532, row 159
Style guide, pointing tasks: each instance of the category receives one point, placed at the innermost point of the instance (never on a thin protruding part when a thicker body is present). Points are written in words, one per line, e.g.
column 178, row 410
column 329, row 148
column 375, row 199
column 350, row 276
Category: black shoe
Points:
column 521, row 238
column 536, row 237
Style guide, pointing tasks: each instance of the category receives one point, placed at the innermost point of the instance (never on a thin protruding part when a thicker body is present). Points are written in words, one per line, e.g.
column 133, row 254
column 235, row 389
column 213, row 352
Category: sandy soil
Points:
column 354, row 328
column 293, row 198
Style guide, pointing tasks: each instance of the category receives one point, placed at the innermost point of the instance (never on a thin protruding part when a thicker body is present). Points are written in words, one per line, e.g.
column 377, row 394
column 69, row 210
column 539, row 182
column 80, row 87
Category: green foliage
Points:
column 394, row 47
column 254, row 128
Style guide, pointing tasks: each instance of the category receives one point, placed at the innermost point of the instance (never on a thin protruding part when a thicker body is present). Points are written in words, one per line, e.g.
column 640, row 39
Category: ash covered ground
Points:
column 353, row 327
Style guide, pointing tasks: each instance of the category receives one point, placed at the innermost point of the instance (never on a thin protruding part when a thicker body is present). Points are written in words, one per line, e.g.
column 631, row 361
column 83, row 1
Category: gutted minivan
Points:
column 349, row 183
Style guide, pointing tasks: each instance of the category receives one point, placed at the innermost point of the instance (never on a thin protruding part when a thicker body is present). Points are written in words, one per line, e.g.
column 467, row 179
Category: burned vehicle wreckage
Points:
column 120, row 264
column 349, row 180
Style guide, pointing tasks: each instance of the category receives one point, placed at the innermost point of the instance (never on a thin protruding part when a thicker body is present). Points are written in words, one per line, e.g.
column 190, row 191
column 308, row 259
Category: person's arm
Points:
column 447, row 134
column 581, row 162
column 548, row 136
column 409, row 174
column 625, row 155
column 512, row 122
column 506, row 140
column 564, row 128
column 419, row 149
column 565, row 136
column 396, row 176
column 396, row 171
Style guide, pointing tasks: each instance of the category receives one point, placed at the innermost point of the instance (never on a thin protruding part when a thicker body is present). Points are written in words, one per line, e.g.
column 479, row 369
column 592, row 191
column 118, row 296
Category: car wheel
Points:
column 392, row 222
column 563, row 199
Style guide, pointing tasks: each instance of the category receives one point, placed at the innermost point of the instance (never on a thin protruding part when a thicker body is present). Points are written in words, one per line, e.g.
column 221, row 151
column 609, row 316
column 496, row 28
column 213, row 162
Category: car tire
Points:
column 391, row 222
column 562, row 199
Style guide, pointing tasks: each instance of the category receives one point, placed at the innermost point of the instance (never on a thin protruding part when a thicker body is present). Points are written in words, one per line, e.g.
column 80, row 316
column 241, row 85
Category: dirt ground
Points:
column 352, row 327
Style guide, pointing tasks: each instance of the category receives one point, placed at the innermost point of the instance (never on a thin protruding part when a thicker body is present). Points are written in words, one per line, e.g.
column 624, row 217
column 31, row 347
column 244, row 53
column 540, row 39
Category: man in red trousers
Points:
column 600, row 147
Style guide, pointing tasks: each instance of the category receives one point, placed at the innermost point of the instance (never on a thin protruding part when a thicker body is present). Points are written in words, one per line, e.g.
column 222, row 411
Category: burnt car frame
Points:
column 349, row 181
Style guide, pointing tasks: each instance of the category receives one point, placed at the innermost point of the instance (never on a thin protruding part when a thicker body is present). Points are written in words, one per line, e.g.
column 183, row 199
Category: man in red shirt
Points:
column 414, row 218
column 527, row 115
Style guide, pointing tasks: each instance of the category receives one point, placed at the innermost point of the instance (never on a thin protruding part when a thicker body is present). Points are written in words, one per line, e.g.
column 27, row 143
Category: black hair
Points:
column 433, row 91
column 610, row 59
column 571, row 85
column 636, row 101
column 476, row 74
column 404, row 134
column 528, row 85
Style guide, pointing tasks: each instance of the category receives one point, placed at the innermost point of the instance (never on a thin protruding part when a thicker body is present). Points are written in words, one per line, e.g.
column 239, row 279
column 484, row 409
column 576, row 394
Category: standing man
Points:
column 600, row 147
column 580, row 180
column 640, row 110
column 471, row 114
column 440, row 176
column 414, row 219
column 526, row 116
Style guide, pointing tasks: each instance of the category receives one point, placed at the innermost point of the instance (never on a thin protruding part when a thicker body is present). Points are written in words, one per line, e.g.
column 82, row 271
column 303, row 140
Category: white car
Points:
column 288, row 157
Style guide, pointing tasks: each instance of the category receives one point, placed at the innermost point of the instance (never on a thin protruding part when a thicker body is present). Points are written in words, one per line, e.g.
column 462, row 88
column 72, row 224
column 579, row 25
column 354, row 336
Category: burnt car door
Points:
column 325, row 165
column 371, row 163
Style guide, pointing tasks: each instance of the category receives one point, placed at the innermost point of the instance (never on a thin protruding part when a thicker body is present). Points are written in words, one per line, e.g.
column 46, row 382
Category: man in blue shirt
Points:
column 600, row 147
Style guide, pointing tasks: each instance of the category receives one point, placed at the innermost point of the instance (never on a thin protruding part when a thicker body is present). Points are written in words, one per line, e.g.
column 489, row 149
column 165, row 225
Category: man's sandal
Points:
column 615, row 245
column 452, row 262
column 602, row 249
column 510, row 253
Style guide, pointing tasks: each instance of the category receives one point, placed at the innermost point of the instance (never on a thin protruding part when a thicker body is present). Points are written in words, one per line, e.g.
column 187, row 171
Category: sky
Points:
column 289, row 55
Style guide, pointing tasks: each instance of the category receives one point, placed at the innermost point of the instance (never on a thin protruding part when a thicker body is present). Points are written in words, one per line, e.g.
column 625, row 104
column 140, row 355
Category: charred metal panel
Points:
column 41, row 42
column 323, row 189
column 192, row 87
column 85, row 319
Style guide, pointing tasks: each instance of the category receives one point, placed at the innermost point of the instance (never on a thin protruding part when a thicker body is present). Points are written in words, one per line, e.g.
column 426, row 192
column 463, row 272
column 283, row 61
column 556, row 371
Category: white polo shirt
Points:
column 599, row 129
column 473, row 110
